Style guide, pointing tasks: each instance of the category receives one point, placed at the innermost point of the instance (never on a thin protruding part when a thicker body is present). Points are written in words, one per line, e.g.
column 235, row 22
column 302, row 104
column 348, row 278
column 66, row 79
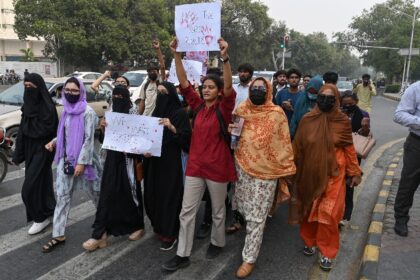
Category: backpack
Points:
column 223, row 129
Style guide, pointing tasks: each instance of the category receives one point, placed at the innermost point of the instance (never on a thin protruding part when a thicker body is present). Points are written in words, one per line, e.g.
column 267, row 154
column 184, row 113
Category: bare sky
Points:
column 328, row 16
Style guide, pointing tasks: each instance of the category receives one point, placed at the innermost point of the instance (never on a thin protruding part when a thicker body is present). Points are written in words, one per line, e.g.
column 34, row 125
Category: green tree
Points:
column 383, row 25
column 91, row 32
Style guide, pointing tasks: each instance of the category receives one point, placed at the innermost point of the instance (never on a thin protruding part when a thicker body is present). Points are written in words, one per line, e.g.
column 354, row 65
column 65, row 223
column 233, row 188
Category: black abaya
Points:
column 163, row 176
column 38, row 127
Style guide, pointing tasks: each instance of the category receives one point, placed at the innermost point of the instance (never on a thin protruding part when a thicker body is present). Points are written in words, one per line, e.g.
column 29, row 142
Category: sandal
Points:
column 52, row 244
column 233, row 228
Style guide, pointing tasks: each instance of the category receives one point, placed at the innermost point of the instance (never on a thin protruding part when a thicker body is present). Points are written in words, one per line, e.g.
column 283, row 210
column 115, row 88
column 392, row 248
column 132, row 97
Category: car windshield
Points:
column 135, row 78
column 344, row 85
column 14, row 94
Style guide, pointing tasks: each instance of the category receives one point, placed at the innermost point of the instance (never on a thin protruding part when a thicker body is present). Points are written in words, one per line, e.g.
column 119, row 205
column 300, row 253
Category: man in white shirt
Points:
column 245, row 72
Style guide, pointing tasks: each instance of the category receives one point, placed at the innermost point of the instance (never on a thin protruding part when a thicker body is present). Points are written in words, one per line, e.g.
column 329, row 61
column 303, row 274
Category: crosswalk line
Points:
column 13, row 175
column 88, row 263
column 19, row 238
column 10, row 201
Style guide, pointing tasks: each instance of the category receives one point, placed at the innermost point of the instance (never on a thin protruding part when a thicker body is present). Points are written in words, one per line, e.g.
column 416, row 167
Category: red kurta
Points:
column 209, row 155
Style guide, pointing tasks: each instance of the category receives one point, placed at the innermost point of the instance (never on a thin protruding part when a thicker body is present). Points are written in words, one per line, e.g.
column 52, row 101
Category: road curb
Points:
column 395, row 97
column 370, row 260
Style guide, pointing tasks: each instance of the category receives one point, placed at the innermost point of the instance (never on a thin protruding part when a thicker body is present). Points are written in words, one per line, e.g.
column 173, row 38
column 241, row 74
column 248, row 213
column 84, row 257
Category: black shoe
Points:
column 325, row 263
column 401, row 228
column 166, row 246
column 309, row 251
column 176, row 263
column 203, row 231
column 213, row 251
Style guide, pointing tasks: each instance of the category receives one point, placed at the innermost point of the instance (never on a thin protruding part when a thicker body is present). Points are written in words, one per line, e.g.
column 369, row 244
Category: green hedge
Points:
column 395, row 88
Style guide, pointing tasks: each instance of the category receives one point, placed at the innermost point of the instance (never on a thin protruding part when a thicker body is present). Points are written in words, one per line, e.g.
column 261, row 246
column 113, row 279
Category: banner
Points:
column 193, row 69
column 198, row 26
column 133, row 134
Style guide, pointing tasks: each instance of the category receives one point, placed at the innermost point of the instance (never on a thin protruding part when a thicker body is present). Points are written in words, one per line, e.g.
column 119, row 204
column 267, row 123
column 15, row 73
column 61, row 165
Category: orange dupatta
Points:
column 264, row 149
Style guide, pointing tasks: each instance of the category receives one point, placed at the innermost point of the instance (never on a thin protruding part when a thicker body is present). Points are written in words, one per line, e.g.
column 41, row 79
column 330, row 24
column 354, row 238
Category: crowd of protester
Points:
column 295, row 144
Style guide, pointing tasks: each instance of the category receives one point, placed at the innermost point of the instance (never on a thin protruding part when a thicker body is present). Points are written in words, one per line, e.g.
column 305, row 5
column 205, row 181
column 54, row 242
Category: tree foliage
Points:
column 387, row 24
column 93, row 32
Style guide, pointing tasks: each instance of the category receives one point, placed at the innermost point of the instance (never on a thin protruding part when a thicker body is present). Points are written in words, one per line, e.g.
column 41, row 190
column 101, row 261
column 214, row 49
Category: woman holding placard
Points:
column 210, row 162
column 163, row 194
column 120, row 207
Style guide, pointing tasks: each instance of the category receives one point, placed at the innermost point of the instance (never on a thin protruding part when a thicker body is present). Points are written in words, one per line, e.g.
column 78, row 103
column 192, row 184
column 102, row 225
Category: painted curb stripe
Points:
column 370, row 261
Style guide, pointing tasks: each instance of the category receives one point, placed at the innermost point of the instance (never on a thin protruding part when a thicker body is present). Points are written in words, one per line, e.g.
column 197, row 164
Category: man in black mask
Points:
column 148, row 92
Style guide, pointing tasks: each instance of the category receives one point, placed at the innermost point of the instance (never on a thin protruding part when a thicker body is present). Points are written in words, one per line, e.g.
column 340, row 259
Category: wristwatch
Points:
column 224, row 60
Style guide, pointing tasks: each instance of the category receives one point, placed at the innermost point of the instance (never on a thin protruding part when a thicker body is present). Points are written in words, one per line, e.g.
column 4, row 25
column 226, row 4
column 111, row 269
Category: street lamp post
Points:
column 411, row 46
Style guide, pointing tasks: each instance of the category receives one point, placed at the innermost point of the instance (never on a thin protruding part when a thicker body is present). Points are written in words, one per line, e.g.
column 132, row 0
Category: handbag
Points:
column 68, row 165
column 363, row 144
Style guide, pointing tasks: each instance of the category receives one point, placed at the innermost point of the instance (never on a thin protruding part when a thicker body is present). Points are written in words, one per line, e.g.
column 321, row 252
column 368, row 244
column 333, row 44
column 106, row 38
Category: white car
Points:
column 85, row 75
column 137, row 79
column 268, row 75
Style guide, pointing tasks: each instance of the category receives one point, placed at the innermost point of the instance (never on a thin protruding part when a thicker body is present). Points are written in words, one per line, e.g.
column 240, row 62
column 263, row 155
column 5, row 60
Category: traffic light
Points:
column 286, row 41
column 282, row 42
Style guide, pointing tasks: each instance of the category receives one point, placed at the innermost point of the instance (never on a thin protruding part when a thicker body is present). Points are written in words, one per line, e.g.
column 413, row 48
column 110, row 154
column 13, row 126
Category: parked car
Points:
column 85, row 75
column 11, row 100
column 137, row 79
column 235, row 79
column 344, row 85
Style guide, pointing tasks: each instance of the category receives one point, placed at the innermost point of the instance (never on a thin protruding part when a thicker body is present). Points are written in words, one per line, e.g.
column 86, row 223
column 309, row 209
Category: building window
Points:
column 7, row 11
column 7, row 26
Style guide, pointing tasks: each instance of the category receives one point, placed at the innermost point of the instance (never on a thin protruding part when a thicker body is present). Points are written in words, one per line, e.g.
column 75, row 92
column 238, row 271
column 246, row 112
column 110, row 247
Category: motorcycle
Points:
column 5, row 153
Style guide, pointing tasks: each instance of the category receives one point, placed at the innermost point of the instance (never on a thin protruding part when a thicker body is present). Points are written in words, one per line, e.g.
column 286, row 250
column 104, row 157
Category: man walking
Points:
column 408, row 114
column 364, row 92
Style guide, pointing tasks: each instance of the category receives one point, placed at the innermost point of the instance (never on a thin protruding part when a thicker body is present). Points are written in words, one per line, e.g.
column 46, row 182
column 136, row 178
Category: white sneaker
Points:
column 38, row 227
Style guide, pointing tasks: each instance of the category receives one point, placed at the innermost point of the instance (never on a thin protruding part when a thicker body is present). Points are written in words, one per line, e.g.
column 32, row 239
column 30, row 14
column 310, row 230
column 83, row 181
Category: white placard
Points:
column 133, row 134
column 198, row 26
column 202, row 56
column 193, row 69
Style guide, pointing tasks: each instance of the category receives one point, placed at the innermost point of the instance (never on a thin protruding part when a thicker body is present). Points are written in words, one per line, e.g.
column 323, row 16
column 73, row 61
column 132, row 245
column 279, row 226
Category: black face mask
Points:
column 245, row 79
column 325, row 102
column 349, row 109
column 72, row 98
column 152, row 76
column 257, row 96
column 31, row 96
column 121, row 105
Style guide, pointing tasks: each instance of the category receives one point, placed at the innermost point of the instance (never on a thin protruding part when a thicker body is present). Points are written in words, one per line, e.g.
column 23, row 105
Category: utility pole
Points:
column 411, row 46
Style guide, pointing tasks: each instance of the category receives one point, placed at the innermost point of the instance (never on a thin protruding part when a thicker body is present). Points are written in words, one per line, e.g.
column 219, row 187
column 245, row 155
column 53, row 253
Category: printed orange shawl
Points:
column 264, row 149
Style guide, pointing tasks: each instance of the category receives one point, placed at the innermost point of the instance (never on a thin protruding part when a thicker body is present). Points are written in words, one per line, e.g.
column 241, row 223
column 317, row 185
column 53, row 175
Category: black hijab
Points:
column 167, row 104
column 121, row 105
column 39, row 118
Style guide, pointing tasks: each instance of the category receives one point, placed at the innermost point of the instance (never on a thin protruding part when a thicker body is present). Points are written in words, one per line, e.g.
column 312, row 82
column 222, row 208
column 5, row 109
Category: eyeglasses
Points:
column 258, row 88
column 71, row 91
column 122, row 83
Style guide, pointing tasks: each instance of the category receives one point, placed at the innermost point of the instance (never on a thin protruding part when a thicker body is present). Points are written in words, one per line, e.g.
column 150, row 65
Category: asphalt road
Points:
column 280, row 256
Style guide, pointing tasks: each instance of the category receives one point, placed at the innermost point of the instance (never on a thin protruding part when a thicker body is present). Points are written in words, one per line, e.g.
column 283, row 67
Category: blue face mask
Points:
column 312, row 96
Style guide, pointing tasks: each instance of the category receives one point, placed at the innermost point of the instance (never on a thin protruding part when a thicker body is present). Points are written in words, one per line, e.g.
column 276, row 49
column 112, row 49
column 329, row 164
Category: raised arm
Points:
column 180, row 71
column 98, row 81
column 227, row 71
column 156, row 46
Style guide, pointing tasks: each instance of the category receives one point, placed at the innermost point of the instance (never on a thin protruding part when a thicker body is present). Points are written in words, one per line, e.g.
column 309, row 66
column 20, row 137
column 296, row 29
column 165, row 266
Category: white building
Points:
column 10, row 45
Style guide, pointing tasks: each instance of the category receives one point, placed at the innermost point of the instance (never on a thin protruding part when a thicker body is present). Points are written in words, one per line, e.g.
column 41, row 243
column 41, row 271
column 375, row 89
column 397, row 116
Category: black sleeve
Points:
column 19, row 154
column 183, row 129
